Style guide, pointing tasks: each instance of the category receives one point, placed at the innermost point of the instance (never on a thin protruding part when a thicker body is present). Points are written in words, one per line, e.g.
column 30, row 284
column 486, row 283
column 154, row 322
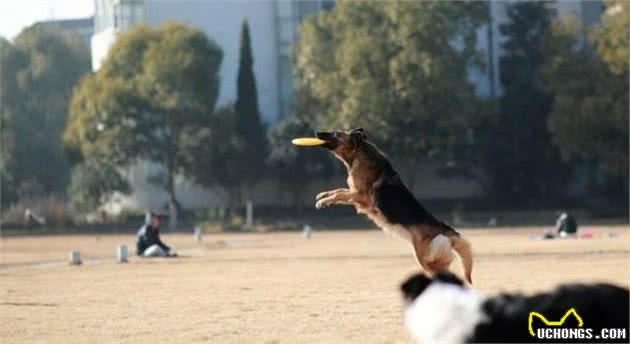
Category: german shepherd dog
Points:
column 376, row 190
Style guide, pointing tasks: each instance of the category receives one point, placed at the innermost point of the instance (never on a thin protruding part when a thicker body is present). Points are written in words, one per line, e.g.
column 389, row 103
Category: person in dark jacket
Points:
column 148, row 242
column 566, row 225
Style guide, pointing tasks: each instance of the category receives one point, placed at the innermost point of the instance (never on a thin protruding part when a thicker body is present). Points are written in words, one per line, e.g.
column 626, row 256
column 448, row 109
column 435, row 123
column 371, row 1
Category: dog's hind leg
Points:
column 464, row 251
column 433, row 255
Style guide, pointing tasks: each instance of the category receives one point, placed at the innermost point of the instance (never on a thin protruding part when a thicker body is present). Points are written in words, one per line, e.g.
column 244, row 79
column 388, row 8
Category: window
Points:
column 127, row 14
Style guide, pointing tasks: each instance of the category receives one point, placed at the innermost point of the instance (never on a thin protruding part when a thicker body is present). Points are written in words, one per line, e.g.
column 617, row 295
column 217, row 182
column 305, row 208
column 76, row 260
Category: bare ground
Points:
column 340, row 286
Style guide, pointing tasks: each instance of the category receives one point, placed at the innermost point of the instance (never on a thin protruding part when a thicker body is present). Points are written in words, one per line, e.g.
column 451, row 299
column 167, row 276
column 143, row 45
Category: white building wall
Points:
column 149, row 196
column 100, row 43
column 221, row 20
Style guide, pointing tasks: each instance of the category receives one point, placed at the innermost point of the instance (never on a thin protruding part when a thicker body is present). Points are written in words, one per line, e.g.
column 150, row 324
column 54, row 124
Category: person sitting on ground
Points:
column 148, row 242
column 566, row 225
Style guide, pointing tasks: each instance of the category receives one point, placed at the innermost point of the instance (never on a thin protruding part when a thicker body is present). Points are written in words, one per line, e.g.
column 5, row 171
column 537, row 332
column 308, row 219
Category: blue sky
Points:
column 18, row 14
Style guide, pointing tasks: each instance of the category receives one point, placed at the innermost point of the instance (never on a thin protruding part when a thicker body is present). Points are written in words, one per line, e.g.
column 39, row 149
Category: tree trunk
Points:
column 172, row 202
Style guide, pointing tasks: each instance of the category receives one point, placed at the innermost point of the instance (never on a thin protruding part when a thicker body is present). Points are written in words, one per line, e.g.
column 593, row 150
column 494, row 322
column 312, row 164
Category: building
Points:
column 273, row 27
column 84, row 28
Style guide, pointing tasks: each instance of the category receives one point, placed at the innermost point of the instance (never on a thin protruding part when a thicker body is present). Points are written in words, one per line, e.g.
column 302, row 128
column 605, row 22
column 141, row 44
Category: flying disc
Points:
column 308, row 141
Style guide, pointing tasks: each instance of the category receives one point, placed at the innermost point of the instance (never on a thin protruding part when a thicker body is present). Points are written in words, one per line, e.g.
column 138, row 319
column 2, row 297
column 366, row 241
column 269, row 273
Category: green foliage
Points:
column 611, row 40
column 398, row 69
column 229, row 151
column 248, row 126
column 521, row 159
column 93, row 182
column 296, row 167
column 38, row 72
column 213, row 154
column 589, row 119
column 156, row 89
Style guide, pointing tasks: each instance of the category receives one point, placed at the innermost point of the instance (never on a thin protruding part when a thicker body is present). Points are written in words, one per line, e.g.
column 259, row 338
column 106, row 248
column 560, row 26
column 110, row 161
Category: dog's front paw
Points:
column 322, row 195
column 321, row 204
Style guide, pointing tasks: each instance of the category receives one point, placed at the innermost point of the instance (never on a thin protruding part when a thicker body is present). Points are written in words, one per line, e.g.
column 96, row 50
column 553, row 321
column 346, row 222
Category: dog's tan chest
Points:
column 361, row 177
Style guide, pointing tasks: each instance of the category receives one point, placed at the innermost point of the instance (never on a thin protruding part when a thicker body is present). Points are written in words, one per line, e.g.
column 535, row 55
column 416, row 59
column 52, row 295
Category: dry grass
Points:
column 242, row 288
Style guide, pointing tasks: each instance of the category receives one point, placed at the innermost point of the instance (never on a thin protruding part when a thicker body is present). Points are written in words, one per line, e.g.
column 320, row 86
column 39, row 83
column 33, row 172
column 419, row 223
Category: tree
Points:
column 8, row 187
column 398, row 69
column 522, row 161
column 611, row 40
column 93, row 183
column 213, row 155
column 38, row 72
column 248, row 126
column 589, row 118
column 295, row 167
column 157, row 87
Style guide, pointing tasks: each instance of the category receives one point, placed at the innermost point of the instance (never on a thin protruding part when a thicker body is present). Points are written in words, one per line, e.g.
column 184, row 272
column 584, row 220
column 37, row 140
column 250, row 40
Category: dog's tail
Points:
column 464, row 251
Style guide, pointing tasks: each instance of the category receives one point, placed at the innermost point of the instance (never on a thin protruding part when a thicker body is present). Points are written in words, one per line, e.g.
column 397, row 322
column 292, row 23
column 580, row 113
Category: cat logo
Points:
column 553, row 323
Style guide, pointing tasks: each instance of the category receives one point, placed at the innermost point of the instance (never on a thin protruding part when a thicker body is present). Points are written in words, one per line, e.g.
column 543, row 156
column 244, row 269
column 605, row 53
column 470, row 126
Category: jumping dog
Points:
column 376, row 190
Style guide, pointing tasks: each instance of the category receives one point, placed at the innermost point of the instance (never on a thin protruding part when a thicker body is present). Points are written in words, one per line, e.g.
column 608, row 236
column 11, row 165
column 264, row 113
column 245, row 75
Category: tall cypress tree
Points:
column 250, row 131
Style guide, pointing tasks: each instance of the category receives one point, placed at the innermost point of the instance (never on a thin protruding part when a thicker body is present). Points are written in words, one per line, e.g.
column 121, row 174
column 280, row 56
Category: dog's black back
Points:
column 391, row 195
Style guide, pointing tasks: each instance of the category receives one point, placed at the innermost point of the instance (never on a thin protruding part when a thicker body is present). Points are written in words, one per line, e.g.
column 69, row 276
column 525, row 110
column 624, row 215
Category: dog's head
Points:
column 439, row 309
column 416, row 284
column 344, row 144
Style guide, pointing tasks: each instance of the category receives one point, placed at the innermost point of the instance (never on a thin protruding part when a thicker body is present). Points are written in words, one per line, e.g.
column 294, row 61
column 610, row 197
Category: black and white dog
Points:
column 442, row 310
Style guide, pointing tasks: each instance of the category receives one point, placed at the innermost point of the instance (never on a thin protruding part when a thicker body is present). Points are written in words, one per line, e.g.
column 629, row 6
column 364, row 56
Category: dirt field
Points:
column 264, row 288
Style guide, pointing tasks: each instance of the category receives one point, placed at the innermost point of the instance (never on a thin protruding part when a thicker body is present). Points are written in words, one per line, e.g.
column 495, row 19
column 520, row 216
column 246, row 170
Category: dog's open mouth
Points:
column 331, row 140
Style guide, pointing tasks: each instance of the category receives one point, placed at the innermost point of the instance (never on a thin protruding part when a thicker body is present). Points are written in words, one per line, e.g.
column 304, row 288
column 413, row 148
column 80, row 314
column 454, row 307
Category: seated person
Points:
column 566, row 225
column 148, row 243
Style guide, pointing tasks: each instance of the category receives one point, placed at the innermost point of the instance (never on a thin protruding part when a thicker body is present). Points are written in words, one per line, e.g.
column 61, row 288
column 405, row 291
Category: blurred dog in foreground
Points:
column 376, row 190
column 441, row 310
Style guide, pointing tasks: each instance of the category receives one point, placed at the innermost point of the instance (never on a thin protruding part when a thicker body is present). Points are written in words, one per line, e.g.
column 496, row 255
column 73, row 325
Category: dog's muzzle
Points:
column 331, row 140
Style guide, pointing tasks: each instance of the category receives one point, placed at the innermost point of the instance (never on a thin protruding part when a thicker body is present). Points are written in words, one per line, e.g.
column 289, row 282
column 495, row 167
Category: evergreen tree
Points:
column 249, row 129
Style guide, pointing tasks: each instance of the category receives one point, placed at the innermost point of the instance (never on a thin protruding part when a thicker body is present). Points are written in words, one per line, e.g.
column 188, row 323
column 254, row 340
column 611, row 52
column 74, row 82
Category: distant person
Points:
column 566, row 225
column 31, row 218
column 148, row 242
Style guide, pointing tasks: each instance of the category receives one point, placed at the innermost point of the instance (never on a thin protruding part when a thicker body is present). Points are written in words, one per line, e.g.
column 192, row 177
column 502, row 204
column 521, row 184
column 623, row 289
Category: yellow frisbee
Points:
column 308, row 141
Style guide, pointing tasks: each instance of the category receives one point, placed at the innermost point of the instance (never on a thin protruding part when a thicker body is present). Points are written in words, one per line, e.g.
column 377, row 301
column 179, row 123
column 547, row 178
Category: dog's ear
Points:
column 358, row 134
column 414, row 286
